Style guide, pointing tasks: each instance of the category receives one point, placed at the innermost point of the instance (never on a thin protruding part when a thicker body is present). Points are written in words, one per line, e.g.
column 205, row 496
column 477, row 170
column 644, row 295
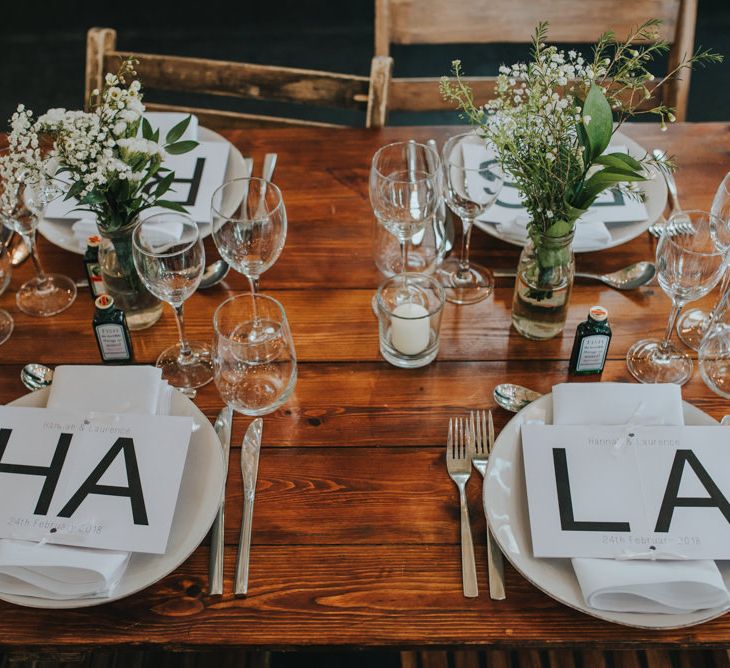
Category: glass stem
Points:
column 467, row 225
column 29, row 240
column 185, row 352
column 676, row 308
column 720, row 306
column 254, row 283
column 404, row 254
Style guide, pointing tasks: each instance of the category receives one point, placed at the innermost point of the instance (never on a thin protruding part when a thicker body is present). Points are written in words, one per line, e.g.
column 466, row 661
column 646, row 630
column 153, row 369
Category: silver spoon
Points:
column 216, row 271
column 514, row 398
column 37, row 376
column 628, row 278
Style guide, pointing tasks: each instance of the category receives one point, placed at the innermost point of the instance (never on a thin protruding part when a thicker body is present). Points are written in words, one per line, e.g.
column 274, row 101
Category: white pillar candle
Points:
column 410, row 337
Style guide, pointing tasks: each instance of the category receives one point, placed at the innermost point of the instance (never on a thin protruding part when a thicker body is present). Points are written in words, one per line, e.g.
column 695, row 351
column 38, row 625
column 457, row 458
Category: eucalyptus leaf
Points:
column 600, row 126
column 181, row 147
column 164, row 184
column 600, row 181
column 177, row 131
column 146, row 129
column 174, row 206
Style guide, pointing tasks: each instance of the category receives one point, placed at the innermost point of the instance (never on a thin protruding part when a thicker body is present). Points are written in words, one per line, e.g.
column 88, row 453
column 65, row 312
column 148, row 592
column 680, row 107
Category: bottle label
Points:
column 112, row 342
column 592, row 354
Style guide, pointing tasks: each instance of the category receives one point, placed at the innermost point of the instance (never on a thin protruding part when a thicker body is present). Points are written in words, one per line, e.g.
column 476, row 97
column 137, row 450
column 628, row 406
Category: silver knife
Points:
column 222, row 427
column 495, row 565
column 249, row 470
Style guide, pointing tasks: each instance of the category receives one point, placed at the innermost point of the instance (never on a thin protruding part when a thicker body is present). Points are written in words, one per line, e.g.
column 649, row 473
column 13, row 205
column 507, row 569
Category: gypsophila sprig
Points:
column 552, row 120
column 99, row 155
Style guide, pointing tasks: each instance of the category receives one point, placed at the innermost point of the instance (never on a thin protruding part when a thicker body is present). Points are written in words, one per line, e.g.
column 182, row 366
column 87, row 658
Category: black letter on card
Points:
column 133, row 491
column 50, row 473
column 565, row 501
column 672, row 501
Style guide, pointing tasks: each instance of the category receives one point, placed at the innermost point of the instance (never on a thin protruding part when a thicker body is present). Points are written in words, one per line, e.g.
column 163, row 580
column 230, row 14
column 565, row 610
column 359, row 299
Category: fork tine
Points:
column 460, row 439
column 478, row 444
column 491, row 433
column 485, row 431
column 450, row 438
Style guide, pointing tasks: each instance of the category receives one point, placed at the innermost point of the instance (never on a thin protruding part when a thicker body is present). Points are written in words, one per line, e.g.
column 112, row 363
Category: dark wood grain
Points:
column 355, row 532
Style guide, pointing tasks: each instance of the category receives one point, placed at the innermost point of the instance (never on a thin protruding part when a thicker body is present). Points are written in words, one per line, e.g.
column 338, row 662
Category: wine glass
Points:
column 254, row 359
column 405, row 191
column 249, row 226
column 688, row 267
column 714, row 353
column 169, row 256
column 22, row 201
column 6, row 320
column 692, row 326
column 472, row 182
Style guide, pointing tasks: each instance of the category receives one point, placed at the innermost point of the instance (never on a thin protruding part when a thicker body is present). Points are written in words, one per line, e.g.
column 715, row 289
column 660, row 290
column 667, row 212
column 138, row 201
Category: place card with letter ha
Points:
column 631, row 492
column 90, row 479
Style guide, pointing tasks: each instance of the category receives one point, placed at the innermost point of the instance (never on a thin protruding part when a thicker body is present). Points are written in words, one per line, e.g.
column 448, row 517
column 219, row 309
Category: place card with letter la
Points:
column 90, row 479
column 634, row 492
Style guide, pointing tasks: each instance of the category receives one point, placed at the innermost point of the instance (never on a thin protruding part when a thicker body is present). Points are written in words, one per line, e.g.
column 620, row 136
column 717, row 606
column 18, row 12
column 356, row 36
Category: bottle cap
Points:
column 104, row 302
column 598, row 313
column 93, row 240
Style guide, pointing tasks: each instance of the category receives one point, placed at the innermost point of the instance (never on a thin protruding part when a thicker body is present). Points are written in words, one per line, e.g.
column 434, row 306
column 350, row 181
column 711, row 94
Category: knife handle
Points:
column 217, row 542
column 244, row 547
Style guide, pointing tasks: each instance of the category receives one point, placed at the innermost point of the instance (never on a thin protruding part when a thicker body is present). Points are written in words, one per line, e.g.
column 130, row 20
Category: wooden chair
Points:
column 512, row 21
column 242, row 80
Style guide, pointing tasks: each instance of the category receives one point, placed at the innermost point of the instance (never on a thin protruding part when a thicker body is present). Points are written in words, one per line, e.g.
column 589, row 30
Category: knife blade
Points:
column 249, row 471
column 495, row 564
column 222, row 428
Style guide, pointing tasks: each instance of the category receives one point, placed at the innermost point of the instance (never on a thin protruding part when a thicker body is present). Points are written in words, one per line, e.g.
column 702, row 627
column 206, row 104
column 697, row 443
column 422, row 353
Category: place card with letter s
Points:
column 633, row 492
column 91, row 480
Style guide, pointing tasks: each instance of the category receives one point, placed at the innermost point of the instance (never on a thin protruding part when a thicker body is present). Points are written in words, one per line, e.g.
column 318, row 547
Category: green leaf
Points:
column 146, row 129
column 559, row 229
column 600, row 126
column 164, row 185
column 600, row 181
column 176, row 132
column 174, row 206
column 620, row 161
column 573, row 213
column 181, row 147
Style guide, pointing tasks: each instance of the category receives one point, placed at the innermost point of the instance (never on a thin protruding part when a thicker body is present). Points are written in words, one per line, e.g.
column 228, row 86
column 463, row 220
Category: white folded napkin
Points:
column 637, row 586
column 590, row 232
column 52, row 571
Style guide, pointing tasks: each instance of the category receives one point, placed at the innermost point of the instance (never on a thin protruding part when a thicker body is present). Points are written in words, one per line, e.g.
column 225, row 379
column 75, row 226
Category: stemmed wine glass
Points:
column 22, row 201
column 249, row 226
column 472, row 183
column 169, row 256
column 688, row 267
column 405, row 190
column 6, row 320
column 693, row 325
column 254, row 357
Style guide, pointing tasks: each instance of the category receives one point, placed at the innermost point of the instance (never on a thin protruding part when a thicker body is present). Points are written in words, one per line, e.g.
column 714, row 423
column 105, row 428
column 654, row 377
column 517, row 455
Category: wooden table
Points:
column 356, row 534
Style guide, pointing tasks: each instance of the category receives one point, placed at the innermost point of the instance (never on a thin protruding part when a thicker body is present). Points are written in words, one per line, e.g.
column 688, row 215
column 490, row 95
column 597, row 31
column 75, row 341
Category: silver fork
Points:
column 673, row 228
column 483, row 441
column 459, row 446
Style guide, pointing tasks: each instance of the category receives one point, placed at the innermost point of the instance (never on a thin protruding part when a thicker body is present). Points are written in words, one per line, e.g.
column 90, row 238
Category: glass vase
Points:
column 543, row 285
column 121, row 280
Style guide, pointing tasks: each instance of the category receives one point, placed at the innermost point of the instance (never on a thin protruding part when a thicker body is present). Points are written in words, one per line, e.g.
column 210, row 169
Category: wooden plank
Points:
column 99, row 41
column 499, row 21
column 380, row 72
column 677, row 90
column 246, row 80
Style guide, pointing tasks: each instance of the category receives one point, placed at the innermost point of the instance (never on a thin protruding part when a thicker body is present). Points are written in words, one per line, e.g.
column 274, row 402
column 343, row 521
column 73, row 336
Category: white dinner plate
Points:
column 656, row 199
column 505, row 502
column 58, row 231
column 200, row 495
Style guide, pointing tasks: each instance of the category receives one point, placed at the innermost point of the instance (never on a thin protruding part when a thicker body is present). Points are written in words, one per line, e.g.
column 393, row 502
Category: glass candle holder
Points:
column 410, row 307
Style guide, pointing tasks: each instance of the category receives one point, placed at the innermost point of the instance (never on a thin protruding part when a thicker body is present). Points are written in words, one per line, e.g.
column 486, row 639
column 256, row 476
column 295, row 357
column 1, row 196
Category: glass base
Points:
column 692, row 327
column 190, row 372
column 45, row 296
column 648, row 364
column 471, row 287
column 6, row 326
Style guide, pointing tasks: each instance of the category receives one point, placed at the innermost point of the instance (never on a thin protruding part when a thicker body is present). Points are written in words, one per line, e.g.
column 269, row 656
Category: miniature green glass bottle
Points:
column 590, row 347
column 111, row 331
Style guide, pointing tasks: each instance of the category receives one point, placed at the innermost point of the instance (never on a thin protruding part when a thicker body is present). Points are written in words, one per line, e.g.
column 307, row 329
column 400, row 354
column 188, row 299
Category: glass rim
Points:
column 249, row 179
column 413, row 275
column 248, row 295
column 430, row 174
column 687, row 212
column 449, row 162
column 148, row 253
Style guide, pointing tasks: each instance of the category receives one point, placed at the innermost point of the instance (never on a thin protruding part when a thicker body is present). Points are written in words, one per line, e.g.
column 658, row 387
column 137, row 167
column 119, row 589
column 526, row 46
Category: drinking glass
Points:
column 249, row 226
column 472, row 182
column 405, row 191
column 169, row 256
column 254, row 359
column 714, row 353
column 22, row 202
column 692, row 326
column 688, row 267
column 6, row 320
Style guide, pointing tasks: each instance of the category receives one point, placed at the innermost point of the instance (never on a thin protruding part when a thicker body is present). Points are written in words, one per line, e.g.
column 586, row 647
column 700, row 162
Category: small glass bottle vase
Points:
column 542, row 287
column 121, row 280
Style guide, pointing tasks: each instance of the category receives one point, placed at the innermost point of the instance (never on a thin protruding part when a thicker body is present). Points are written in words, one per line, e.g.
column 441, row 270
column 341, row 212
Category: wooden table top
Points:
column 356, row 533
